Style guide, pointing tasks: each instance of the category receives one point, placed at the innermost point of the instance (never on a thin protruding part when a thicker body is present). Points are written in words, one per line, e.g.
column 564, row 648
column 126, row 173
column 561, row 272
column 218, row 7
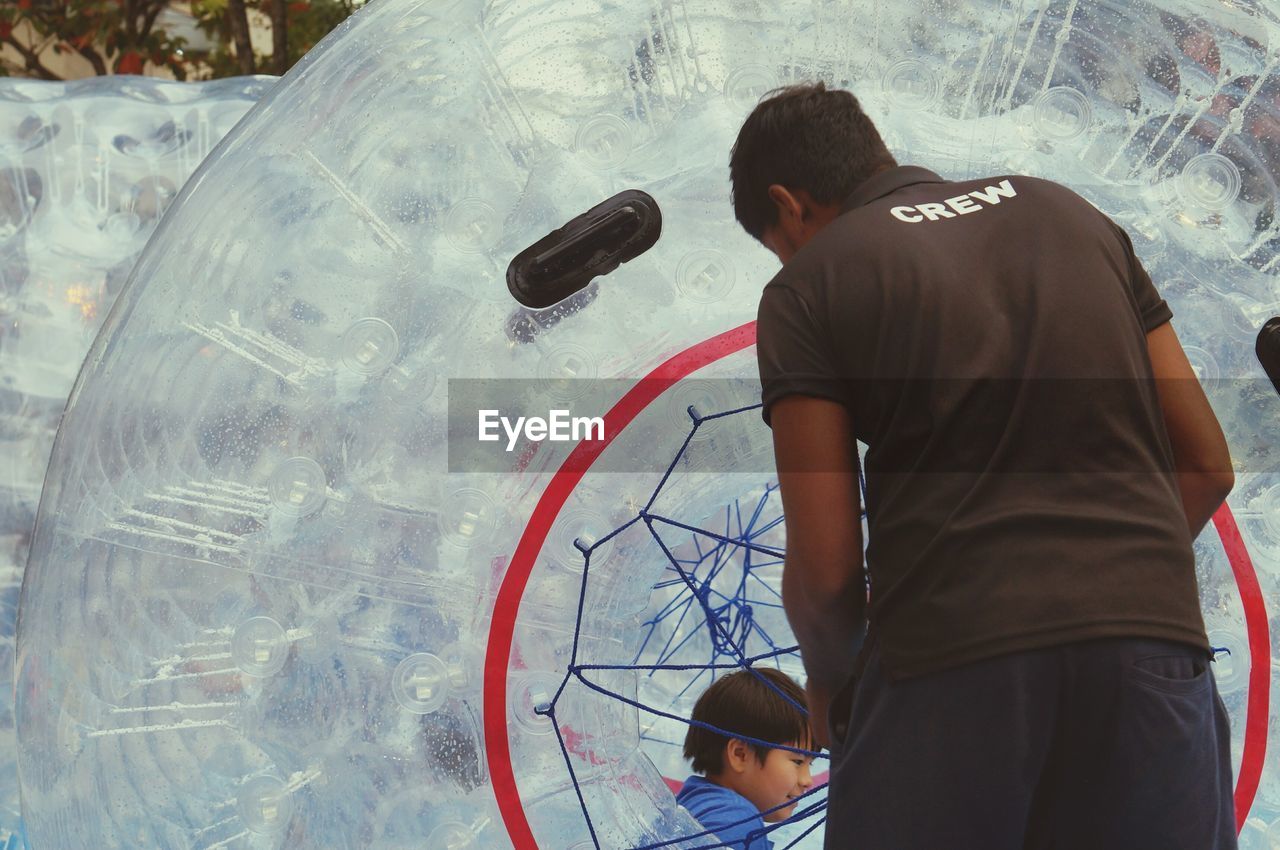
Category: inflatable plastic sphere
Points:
column 282, row 595
column 86, row 170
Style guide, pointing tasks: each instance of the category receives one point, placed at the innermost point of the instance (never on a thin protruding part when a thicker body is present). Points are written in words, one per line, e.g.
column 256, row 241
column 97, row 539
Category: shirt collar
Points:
column 888, row 182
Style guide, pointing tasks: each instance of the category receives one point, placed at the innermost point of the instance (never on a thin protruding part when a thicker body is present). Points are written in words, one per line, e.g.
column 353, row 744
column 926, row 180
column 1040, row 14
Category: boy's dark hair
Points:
column 802, row 137
column 746, row 703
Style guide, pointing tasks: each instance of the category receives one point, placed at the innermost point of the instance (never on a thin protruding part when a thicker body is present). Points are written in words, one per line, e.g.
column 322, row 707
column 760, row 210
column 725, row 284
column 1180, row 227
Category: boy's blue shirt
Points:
column 726, row 813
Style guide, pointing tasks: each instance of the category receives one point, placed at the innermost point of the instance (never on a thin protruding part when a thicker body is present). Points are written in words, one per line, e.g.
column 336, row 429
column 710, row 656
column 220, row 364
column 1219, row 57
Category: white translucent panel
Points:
column 86, row 171
column 272, row 604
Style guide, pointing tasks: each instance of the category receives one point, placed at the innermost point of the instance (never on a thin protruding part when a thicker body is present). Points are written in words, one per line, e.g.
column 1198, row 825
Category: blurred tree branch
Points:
column 238, row 24
column 280, row 37
column 305, row 22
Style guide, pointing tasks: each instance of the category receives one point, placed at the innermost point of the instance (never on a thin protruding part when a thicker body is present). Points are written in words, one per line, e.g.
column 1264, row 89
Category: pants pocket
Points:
column 1173, row 673
column 1172, row 755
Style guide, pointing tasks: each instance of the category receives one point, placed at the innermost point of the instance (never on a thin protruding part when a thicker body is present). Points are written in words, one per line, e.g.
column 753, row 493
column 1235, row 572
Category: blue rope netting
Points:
column 720, row 583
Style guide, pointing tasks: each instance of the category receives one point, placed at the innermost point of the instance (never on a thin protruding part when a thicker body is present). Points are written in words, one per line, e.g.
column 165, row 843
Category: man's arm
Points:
column 1201, row 458
column 823, row 590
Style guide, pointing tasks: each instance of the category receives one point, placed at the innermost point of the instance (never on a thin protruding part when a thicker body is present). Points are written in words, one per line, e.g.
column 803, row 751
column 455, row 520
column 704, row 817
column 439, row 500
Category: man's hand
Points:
column 819, row 699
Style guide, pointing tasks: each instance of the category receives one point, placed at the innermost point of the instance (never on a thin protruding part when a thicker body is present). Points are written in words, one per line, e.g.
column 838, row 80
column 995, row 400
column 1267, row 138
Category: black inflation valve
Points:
column 593, row 244
column 1268, row 350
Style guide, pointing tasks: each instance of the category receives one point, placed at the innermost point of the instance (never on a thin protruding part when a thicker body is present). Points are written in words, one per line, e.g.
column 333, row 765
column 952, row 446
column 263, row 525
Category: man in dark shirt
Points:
column 1040, row 457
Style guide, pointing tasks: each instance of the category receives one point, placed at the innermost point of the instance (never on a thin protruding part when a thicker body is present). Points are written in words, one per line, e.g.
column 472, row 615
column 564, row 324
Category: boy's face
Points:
column 782, row 776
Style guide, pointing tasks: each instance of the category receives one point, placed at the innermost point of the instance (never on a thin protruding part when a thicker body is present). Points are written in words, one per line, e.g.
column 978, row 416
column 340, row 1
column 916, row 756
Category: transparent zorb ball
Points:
column 282, row 595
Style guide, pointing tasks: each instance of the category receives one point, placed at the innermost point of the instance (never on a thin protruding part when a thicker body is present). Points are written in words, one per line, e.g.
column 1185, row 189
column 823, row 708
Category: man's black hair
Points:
column 747, row 703
column 802, row 137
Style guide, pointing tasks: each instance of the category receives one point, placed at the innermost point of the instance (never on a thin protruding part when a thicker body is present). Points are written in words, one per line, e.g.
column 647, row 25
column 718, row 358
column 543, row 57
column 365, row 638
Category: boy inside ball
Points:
column 739, row 784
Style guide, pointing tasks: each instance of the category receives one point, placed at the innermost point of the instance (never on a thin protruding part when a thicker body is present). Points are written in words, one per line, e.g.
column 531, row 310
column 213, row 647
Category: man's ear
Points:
column 790, row 207
column 736, row 755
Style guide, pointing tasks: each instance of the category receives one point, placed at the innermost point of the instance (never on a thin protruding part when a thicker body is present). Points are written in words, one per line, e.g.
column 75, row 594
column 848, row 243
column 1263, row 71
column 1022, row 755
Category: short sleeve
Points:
column 792, row 357
column 1153, row 310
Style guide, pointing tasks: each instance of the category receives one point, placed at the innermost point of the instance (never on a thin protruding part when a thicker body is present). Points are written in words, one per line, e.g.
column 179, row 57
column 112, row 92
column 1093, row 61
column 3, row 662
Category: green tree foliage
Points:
column 114, row 36
column 124, row 36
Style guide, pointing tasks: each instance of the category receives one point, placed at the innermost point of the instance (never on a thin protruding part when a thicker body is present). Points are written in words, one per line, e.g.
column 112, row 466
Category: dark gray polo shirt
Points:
column 989, row 341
